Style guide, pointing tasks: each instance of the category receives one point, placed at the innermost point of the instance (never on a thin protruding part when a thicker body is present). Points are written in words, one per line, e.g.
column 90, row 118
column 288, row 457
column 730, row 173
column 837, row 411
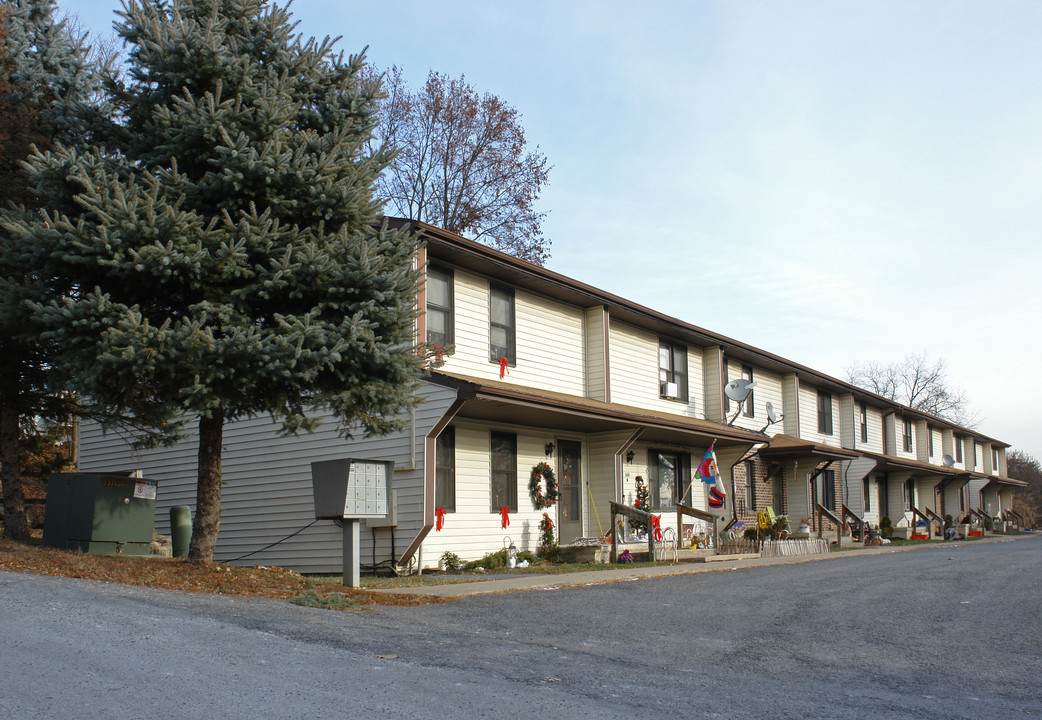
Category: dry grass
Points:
column 269, row 582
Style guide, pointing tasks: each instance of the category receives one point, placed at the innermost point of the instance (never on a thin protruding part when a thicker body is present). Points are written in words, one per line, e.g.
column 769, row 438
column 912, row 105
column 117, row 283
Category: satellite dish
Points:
column 948, row 460
column 738, row 390
column 772, row 417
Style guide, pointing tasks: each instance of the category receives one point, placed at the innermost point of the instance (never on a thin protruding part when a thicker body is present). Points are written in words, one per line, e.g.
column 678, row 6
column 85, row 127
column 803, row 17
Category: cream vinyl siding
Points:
column 853, row 474
column 768, row 390
column 951, row 499
column 809, row 417
column 925, row 495
column 976, row 485
column 475, row 529
column 899, row 443
column 549, row 339
column 602, row 479
column 847, row 420
column 596, row 332
column 267, row 492
column 921, row 432
column 938, row 447
column 791, row 406
column 634, row 372
column 712, row 383
column 874, row 415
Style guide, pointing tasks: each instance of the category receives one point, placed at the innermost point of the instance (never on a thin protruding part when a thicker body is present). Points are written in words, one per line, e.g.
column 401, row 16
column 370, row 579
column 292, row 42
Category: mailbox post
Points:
column 346, row 491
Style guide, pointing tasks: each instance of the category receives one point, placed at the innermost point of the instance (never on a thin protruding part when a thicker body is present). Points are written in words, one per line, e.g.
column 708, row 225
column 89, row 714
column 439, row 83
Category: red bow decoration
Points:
column 440, row 514
column 503, row 362
column 549, row 522
column 504, row 512
column 656, row 526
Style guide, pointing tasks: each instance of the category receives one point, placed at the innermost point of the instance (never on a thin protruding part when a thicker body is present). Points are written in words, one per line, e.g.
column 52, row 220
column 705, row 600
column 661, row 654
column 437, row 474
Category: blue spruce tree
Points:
column 220, row 252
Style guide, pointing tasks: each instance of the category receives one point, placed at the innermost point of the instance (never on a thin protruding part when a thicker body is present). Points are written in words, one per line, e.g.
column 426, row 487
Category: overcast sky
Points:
column 831, row 182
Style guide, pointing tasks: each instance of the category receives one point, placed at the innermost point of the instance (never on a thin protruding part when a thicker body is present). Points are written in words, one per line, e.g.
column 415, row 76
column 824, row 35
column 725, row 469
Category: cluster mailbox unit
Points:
column 346, row 491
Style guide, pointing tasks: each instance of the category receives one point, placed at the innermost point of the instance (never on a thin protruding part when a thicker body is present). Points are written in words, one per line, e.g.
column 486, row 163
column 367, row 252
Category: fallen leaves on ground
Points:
column 167, row 574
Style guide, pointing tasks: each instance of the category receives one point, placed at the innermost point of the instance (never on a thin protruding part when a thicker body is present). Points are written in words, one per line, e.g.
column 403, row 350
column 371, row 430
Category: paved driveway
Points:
column 946, row 632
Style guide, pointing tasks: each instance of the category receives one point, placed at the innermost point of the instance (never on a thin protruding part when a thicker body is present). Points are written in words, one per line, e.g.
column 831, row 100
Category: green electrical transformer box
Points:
column 100, row 513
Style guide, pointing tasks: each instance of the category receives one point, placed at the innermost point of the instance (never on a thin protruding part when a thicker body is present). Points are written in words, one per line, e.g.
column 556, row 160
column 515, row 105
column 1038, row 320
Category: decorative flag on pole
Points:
column 707, row 471
column 440, row 514
column 716, row 498
column 504, row 513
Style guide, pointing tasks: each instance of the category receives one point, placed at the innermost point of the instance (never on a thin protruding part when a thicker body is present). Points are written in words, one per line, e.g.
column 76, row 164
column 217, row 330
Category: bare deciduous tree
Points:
column 1028, row 501
column 463, row 164
column 918, row 382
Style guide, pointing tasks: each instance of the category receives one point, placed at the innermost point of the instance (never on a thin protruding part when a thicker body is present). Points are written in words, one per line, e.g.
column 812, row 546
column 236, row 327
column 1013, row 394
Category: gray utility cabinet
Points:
column 100, row 513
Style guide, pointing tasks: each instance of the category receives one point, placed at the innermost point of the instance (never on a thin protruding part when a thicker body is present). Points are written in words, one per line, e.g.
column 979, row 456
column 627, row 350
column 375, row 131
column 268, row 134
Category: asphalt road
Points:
column 947, row 632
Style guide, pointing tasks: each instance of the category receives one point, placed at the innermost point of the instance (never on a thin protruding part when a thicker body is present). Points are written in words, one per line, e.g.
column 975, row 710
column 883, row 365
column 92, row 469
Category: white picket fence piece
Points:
column 784, row 548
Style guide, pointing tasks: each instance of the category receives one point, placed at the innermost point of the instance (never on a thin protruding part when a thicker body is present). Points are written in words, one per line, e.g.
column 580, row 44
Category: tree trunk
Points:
column 15, row 524
column 208, row 488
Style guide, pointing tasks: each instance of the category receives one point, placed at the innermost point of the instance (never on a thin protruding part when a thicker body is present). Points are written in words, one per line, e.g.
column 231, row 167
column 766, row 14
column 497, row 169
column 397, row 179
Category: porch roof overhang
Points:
column 786, row 447
column 920, row 470
column 995, row 481
column 497, row 401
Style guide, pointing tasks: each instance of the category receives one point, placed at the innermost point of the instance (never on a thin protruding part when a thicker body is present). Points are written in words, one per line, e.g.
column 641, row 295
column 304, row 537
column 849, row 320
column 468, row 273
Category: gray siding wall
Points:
column 267, row 491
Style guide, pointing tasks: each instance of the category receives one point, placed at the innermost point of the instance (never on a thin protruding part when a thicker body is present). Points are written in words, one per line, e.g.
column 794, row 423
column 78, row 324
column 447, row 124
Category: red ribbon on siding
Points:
column 440, row 514
column 503, row 372
column 656, row 526
column 504, row 513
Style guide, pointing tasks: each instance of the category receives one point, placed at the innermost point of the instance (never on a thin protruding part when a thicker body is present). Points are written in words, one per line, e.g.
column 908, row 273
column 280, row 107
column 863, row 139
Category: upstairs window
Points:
column 445, row 470
column 439, row 307
column 958, row 448
column 906, row 435
column 824, row 412
column 929, row 438
column 995, row 459
column 863, row 419
column 672, row 371
column 501, row 325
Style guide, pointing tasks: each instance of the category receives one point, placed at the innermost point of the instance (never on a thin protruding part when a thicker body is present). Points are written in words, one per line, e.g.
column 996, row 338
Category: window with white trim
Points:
column 824, row 412
column 672, row 371
column 439, row 307
column 501, row 325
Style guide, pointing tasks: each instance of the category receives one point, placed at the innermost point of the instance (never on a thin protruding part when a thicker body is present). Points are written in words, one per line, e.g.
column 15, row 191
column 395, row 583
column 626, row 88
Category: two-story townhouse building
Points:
column 538, row 367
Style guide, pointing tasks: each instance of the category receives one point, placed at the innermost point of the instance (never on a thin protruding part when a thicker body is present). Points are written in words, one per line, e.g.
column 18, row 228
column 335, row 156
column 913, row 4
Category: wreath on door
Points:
column 543, row 477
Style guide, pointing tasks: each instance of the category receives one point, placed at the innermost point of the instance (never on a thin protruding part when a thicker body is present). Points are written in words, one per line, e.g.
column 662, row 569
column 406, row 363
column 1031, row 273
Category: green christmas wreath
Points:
column 543, row 476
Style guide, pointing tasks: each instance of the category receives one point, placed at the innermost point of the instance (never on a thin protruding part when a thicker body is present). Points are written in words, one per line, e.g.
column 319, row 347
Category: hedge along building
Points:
column 538, row 367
